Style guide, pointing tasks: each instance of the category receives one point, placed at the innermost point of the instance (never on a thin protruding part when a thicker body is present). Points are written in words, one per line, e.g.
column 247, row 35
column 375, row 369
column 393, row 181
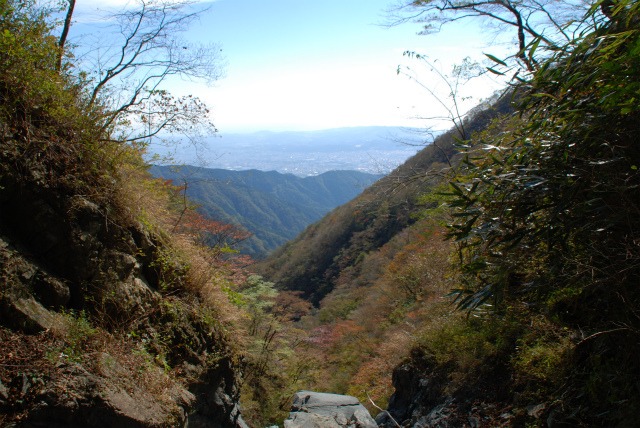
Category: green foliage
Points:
column 548, row 203
column 435, row 204
column 170, row 270
column 29, row 57
column 545, row 215
column 513, row 362
column 541, row 359
column 274, row 207
column 336, row 309
column 468, row 344
column 258, row 294
column 79, row 333
column 271, row 371
column 45, row 129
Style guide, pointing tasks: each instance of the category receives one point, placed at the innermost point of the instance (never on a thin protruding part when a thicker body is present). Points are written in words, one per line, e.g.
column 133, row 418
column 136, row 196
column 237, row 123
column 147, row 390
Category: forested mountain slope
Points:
column 274, row 207
column 311, row 262
column 498, row 283
column 490, row 281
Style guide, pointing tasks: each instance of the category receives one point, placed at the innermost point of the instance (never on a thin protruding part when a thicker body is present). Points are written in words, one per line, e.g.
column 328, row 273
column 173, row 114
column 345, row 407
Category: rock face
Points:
column 418, row 389
column 65, row 255
column 322, row 410
column 81, row 398
column 423, row 398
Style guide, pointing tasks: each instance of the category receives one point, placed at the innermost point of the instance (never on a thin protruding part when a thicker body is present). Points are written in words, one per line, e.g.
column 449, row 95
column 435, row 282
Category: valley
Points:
column 272, row 206
column 488, row 278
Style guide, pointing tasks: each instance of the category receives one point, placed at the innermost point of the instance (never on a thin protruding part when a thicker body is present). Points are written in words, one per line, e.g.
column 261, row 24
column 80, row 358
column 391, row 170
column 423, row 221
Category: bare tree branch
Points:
column 383, row 410
column 148, row 50
column 535, row 22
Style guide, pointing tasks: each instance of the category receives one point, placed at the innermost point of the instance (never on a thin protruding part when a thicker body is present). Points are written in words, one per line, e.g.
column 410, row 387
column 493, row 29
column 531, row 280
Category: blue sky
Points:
column 306, row 65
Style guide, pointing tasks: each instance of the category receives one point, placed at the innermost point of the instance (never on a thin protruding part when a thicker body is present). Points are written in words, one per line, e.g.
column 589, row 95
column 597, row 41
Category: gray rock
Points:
column 4, row 394
column 27, row 315
column 216, row 395
column 440, row 417
column 322, row 410
column 64, row 251
column 536, row 411
column 51, row 292
column 25, row 385
column 111, row 399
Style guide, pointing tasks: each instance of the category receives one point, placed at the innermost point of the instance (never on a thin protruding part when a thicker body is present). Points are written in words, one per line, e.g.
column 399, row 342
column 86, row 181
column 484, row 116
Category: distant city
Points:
column 375, row 150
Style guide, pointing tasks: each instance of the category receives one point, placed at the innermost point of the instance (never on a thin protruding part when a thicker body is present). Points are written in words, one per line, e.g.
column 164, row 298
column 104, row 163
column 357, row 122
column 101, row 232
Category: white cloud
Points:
column 276, row 84
column 89, row 10
column 125, row 3
column 319, row 96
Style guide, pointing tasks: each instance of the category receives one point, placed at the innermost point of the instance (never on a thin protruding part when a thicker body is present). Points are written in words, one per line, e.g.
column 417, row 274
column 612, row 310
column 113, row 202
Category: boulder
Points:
column 112, row 398
column 323, row 410
column 419, row 388
column 27, row 315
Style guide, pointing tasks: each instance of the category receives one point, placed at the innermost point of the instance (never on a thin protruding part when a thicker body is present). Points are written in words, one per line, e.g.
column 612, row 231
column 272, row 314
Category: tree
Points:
column 221, row 237
column 125, row 78
column 547, row 215
column 33, row 92
column 549, row 23
column 552, row 211
column 65, row 33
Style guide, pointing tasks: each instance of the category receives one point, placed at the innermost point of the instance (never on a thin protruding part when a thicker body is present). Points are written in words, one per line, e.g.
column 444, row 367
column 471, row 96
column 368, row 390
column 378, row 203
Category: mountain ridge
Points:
column 309, row 263
column 274, row 207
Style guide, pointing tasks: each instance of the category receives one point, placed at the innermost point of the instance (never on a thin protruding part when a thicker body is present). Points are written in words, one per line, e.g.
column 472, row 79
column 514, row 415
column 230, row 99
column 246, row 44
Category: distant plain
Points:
column 375, row 150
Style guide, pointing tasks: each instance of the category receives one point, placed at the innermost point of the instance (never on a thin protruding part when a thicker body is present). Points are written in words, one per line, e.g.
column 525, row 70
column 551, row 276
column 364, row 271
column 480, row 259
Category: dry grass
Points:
column 25, row 366
column 160, row 207
column 120, row 358
column 362, row 333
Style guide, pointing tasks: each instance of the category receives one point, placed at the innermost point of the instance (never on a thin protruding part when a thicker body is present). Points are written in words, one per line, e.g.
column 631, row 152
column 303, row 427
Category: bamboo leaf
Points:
column 496, row 59
column 494, row 71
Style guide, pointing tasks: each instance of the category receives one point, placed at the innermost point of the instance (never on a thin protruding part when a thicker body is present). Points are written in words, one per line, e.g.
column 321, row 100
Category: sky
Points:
column 297, row 65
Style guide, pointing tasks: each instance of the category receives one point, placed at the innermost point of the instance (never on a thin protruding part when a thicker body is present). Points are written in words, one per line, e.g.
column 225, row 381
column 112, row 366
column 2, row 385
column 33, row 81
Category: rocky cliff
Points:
column 103, row 320
column 89, row 338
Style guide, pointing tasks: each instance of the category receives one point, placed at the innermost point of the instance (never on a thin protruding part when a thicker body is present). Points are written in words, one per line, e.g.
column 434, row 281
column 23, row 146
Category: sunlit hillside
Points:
column 488, row 281
column 271, row 206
